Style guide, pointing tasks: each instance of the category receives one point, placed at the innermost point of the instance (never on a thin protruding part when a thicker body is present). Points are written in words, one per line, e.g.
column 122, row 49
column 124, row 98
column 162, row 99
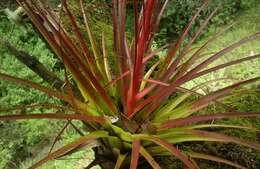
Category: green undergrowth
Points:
column 77, row 160
column 18, row 139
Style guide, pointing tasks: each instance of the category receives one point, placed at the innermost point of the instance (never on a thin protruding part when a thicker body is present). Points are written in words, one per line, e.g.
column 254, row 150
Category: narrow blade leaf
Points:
column 214, row 158
column 85, row 118
column 149, row 158
column 69, row 147
column 135, row 154
column 202, row 118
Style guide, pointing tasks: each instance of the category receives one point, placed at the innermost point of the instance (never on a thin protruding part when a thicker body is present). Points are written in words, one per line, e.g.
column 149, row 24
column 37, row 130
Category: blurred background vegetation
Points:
column 23, row 142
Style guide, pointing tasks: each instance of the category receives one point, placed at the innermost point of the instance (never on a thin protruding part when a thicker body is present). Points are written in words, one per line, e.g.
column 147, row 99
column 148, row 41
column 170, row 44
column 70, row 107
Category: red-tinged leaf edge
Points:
column 118, row 78
column 156, row 82
column 149, row 158
column 224, row 138
column 225, row 126
column 222, row 52
column 214, row 158
column 221, row 66
column 36, row 105
column 167, row 91
column 154, row 53
column 173, row 50
column 187, row 47
column 172, row 149
column 226, row 107
column 207, row 100
column 85, row 118
column 202, row 102
column 135, row 154
column 26, row 83
column 203, row 118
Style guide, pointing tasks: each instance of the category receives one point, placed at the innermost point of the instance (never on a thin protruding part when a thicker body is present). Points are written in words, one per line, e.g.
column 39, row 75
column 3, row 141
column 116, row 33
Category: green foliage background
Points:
column 179, row 12
column 18, row 138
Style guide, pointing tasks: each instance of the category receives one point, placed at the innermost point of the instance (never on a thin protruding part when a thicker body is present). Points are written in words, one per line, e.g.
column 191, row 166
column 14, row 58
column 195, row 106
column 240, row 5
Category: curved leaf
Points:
column 70, row 147
column 172, row 149
column 37, row 105
column 85, row 118
column 149, row 159
column 222, row 126
column 218, row 67
column 223, row 52
column 163, row 112
column 225, row 138
column 184, row 135
column 59, row 135
column 214, row 158
column 202, row 118
column 135, row 154
column 120, row 160
column 26, row 83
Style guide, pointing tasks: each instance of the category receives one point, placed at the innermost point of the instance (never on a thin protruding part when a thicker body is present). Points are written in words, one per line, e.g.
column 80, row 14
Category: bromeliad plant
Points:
column 126, row 109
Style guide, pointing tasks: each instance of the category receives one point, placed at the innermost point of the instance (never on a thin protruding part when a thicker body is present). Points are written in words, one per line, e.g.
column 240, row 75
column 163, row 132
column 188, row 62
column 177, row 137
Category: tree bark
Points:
column 37, row 67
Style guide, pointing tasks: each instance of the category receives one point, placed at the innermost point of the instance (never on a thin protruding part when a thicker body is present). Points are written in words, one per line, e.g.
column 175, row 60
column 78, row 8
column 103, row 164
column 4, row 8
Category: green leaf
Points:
column 166, row 111
column 168, row 146
column 120, row 160
column 149, row 158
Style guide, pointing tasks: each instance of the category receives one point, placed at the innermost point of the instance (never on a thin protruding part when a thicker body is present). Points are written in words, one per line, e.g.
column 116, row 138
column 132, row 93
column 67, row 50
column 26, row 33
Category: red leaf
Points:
column 141, row 48
column 224, row 138
column 173, row 150
column 173, row 50
column 207, row 100
column 202, row 118
column 118, row 78
column 176, row 62
column 135, row 154
column 85, row 118
column 149, row 158
column 214, row 158
column 221, row 66
column 224, row 51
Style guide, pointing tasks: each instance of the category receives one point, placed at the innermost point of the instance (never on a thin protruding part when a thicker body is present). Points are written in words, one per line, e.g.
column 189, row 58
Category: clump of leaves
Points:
column 127, row 110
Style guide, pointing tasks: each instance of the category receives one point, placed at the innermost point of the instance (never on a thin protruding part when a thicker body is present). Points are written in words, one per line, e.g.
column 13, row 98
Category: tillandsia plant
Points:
column 132, row 112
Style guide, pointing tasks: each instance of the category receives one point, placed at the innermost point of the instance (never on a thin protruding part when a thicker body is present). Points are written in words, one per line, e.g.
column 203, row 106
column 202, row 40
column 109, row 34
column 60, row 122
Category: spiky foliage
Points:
column 126, row 109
